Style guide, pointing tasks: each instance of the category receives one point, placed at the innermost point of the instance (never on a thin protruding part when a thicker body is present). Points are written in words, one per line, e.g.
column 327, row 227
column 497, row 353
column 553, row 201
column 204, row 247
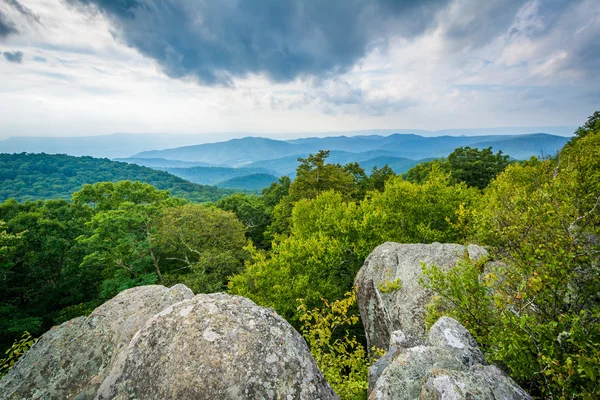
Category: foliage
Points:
column 406, row 212
column 45, row 176
column 591, row 126
column 60, row 259
column 252, row 212
column 15, row 352
column 389, row 286
column 537, row 312
column 200, row 246
column 476, row 167
column 472, row 166
column 340, row 356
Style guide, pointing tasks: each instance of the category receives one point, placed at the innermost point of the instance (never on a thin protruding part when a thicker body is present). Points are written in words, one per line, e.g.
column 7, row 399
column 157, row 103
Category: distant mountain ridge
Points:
column 121, row 145
column 254, row 152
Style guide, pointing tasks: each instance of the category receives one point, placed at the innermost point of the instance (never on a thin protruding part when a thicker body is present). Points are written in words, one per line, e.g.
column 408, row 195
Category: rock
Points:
column 450, row 366
column 216, row 346
column 70, row 360
column 380, row 365
column 389, row 295
column 449, row 333
column 151, row 342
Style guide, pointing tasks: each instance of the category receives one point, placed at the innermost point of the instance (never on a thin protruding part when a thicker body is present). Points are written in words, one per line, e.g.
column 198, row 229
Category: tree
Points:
column 379, row 176
column 120, row 241
column 592, row 125
column 315, row 176
column 252, row 212
column 201, row 246
column 472, row 166
column 476, row 167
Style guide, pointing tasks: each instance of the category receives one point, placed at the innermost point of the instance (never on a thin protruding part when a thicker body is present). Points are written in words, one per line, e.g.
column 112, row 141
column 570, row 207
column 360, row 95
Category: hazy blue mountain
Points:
column 288, row 165
column 215, row 175
column 523, row 147
column 116, row 145
column 161, row 163
column 235, row 152
column 280, row 156
column 398, row 164
column 248, row 182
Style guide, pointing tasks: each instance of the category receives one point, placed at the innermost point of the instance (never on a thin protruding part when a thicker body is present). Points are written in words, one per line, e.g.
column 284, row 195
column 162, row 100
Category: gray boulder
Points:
column 216, row 346
column 448, row 366
column 152, row 342
column 70, row 360
column 389, row 295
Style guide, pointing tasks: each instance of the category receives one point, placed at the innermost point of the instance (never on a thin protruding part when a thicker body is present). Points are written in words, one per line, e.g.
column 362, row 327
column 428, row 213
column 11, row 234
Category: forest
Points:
column 42, row 176
column 536, row 314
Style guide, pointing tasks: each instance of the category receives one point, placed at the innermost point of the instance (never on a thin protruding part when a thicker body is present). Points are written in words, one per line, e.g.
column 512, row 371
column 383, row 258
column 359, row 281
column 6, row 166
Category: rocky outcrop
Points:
column 71, row 360
column 389, row 295
column 449, row 365
column 217, row 346
column 156, row 343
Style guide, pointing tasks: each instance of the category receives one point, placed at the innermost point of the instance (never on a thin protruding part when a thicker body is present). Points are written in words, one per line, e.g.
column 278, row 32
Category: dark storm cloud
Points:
column 6, row 26
column 13, row 56
column 12, row 12
column 215, row 40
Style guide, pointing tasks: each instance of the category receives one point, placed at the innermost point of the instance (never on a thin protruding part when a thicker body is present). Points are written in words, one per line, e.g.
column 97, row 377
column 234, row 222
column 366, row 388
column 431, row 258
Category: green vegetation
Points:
column 341, row 357
column 474, row 167
column 15, row 352
column 44, row 176
column 535, row 310
column 61, row 259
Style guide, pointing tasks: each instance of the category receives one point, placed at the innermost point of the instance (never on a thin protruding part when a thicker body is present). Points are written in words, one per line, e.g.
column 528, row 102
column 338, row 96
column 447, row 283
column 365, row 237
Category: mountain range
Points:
column 254, row 162
column 120, row 145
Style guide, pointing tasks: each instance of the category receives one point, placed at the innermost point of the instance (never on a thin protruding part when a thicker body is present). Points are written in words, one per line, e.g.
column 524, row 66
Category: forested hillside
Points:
column 43, row 176
column 534, row 310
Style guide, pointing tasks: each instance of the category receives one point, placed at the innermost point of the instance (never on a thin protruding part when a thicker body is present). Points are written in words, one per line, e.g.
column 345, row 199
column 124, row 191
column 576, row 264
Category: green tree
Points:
column 201, row 246
column 315, row 176
column 252, row 212
column 120, row 241
column 476, row 167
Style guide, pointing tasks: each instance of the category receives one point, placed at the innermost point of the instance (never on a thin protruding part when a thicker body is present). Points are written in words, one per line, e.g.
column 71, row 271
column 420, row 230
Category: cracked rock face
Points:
column 384, row 309
column 151, row 342
column 449, row 366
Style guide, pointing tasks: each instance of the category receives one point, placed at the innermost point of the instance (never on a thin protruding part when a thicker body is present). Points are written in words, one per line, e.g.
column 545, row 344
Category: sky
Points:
column 91, row 67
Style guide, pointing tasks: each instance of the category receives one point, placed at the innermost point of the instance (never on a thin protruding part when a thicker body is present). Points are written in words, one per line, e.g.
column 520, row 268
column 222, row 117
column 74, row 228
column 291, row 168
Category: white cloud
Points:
column 530, row 68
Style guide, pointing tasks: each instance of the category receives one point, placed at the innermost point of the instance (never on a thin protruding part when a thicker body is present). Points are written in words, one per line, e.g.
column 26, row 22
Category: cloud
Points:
column 13, row 56
column 7, row 27
column 13, row 14
column 215, row 41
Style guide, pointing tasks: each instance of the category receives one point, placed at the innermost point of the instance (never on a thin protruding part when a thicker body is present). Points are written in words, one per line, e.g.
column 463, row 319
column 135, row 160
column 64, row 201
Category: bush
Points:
column 343, row 360
column 16, row 351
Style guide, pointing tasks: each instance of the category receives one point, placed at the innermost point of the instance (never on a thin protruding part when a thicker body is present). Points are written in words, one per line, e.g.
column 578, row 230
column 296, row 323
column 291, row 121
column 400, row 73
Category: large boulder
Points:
column 70, row 360
column 389, row 295
column 157, row 343
column 217, row 346
column 448, row 366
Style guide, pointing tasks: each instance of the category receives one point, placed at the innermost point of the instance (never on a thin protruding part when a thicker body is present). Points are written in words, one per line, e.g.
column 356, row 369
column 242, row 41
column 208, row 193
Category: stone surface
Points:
column 70, row 360
column 384, row 311
column 450, row 366
column 216, row 346
column 151, row 342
